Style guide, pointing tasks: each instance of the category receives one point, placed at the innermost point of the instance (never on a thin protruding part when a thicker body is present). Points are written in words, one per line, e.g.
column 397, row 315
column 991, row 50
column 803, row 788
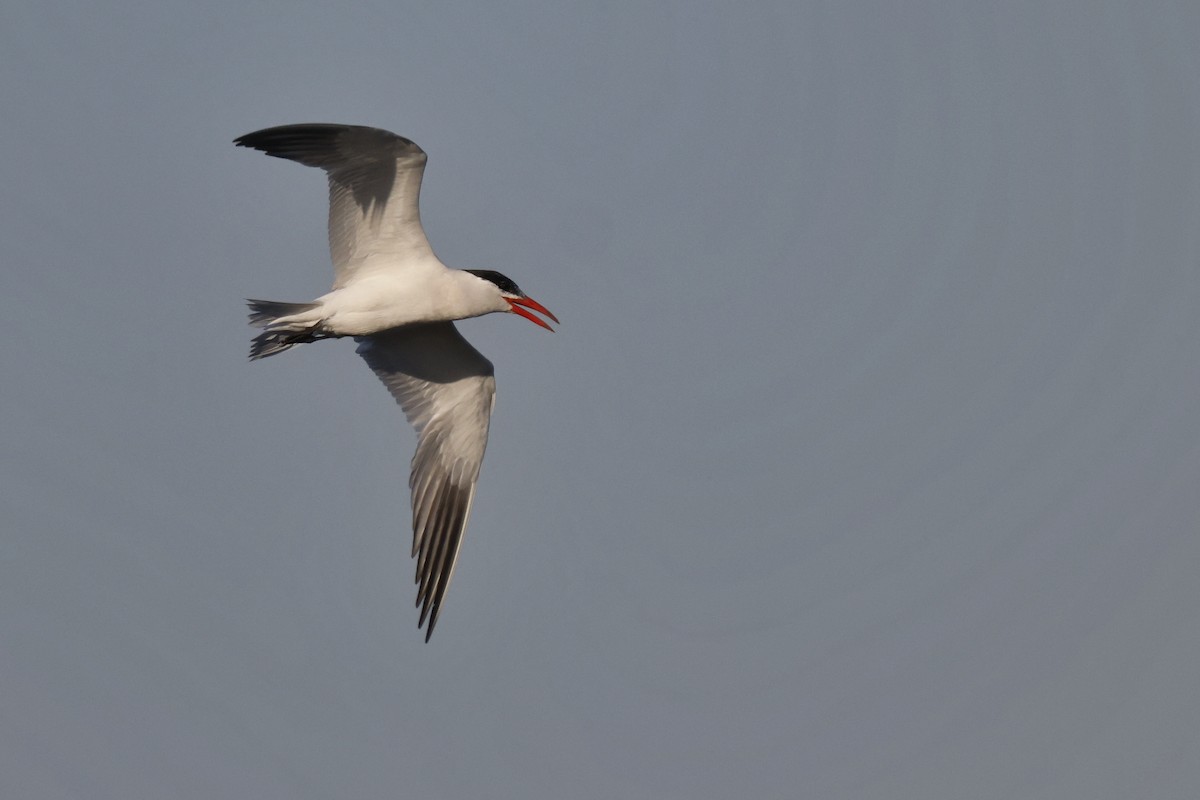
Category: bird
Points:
column 399, row 302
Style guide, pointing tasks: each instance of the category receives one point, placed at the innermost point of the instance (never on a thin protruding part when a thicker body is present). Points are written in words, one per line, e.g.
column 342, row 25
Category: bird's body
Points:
column 379, row 302
column 393, row 295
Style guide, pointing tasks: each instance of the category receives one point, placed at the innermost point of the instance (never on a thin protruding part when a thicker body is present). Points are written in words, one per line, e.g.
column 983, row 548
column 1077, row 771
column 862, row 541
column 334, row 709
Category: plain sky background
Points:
column 865, row 463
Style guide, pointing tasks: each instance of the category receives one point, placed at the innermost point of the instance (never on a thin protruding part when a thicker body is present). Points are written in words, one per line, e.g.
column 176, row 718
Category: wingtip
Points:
column 432, row 622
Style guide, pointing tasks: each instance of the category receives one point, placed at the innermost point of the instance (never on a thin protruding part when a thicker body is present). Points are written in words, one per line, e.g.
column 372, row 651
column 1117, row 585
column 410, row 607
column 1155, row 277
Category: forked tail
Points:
column 284, row 324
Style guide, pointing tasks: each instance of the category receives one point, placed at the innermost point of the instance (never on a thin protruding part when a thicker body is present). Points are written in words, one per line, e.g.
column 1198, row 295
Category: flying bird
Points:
column 399, row 302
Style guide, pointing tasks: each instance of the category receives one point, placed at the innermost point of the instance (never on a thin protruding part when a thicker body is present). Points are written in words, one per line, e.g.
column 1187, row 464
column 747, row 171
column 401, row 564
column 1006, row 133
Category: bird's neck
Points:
column 473, row 297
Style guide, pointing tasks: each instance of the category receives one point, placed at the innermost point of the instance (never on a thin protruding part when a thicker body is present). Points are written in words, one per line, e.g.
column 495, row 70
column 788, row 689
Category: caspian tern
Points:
column 398, row 301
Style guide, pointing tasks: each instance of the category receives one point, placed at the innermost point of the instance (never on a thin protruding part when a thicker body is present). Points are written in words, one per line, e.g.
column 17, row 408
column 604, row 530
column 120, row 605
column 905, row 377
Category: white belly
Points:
column 377, row 304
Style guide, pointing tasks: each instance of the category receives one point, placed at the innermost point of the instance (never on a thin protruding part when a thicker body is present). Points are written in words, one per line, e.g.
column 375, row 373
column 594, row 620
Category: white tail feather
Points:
column 285, row 325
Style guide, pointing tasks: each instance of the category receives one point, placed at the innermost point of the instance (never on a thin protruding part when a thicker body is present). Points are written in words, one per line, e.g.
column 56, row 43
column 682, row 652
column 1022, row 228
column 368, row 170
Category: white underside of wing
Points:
column 447, row 390
column 374, row 192
column 375, row 221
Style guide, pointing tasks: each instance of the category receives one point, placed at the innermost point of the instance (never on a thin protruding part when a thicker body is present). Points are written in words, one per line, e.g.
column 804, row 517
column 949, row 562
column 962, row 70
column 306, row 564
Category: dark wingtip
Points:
column 324, row 144
column 432, row 622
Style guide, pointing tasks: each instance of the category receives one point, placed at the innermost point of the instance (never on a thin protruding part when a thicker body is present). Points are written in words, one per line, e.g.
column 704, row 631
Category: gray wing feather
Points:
column 374, row 189
column 447, row 390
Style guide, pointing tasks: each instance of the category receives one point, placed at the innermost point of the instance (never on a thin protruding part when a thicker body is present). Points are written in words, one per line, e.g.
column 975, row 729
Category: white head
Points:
column 511, row 298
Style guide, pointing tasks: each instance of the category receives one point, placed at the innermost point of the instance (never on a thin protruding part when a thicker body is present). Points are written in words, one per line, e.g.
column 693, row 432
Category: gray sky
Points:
column 864, row 464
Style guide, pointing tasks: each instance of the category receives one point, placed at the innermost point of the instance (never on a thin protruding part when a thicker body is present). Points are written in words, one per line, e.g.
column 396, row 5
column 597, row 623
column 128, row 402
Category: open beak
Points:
column 518, row 305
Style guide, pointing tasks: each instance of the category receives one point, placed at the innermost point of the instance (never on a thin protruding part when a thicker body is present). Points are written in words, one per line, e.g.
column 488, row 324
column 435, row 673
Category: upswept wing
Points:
column 374, row 189
column 447, row 390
